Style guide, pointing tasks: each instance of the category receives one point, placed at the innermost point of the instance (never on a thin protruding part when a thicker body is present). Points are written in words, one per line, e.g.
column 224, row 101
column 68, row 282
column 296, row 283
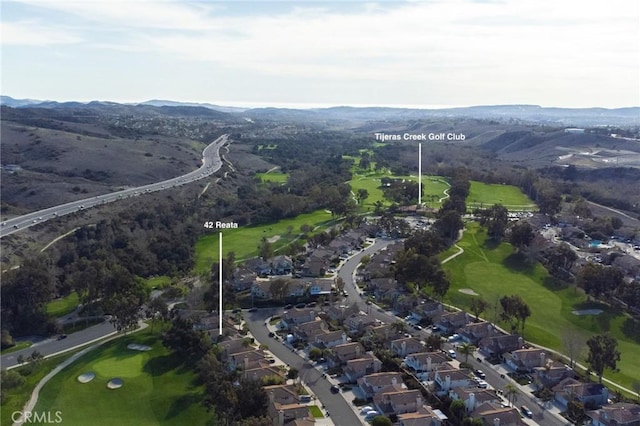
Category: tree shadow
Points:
column 158, row 366
column 491, row 244
column 631, row 329
column 516, row 262
column 183, row 403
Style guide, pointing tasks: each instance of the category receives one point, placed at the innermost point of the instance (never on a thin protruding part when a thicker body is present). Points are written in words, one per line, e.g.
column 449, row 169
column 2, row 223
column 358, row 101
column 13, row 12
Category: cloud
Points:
column 33, row 33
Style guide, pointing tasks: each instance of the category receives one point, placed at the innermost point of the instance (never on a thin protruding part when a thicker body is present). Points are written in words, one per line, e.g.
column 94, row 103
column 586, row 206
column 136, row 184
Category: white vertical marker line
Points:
column 419, row 174
column 220, row 285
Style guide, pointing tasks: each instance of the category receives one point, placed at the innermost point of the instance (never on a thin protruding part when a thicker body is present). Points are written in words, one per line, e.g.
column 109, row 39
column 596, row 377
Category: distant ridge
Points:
column 568, row 117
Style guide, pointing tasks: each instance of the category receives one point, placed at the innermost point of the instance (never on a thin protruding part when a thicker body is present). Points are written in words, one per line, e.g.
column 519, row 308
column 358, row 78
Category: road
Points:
column 50, row 347
column 211, row 163
column 493, row 376
column 341, row 412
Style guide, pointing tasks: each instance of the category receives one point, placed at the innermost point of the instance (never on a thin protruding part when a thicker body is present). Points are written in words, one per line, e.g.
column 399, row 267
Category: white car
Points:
column 452, row 353
column 371, row 414
column 366, row 409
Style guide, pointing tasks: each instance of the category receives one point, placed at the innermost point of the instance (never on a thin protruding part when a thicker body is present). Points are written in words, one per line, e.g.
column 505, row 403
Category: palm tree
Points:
column 466, row 349
column 511, row 393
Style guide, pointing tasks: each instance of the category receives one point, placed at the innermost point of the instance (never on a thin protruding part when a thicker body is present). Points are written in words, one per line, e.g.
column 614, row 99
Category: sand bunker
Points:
column 115, row 383
column 587, row 312
column 137, row 347
column 468, row 291
column 86, row 377
column 273, row 239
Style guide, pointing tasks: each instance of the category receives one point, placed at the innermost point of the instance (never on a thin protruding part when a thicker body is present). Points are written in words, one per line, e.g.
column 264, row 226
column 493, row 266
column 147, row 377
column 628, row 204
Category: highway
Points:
column 211, row 163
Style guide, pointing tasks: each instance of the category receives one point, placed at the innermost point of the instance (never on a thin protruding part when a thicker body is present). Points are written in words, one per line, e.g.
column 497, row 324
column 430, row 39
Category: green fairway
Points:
column 63, row 306
column 494, row 271
column 433, row 188
column 245, row 241
column 273, row 176
column 485, row 195
column 158, row 389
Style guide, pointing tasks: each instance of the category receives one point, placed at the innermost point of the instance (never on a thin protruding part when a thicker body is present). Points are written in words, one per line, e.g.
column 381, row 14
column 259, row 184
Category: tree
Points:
column 292, row 373
column 266, row 251
column 521, row 235
column 597, row 279
column 449, row 223
column 477, row 306
column 399, row 326
column 339, row 281
column 573, row 343
column 362, row 195
column 7, row 339
column 603, row 353
column 315, row 354
column 511, row 393
column 381, row 421
column 515, row 310
column 495, row 219
column 466, row 349
column 279, row 288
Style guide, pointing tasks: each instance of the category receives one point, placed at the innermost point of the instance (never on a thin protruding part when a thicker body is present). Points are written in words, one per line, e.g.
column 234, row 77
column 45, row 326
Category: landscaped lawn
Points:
column 63, row 306
column 316, row 412
column 245, row 241
column 493, row 271
column 485, row 195
column 158, row 389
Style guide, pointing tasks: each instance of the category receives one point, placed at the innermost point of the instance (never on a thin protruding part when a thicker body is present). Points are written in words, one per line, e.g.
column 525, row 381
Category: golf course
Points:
column 494, row 270
column 121, row 384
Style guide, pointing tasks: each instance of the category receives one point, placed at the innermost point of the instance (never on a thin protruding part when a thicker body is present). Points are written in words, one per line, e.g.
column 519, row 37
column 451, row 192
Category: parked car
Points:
column 452, row 353
column 366, row 409
column 335, row 389
column 525, row 410
column 480, row 374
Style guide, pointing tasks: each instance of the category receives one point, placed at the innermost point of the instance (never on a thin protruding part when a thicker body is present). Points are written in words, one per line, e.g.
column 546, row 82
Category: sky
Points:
column 431, row 53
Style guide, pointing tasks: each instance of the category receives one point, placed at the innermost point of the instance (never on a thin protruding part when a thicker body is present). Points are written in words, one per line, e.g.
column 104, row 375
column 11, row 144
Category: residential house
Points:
column 261, row 290
column 525, row 360
column 315, row 267
column 594, row 394
column 618, row 414
column 448, row 379
column 289, row 414
column 383, row 288
column 320, row 287
column 473, row 397
column 243, row 278
column 282, row 394
column 356, row 323
column 281, row 265
column 453, row 321
column 405, row 346
column 424, row 416
column 428, row 311
column 474, row 333
column 297, row 316
column 251, row 359
column 553, row 373
column 258, row 265
column 307, row 331
column 340, row 354
column 426, row 363
column 330, row 339
column 360, row 367
column 297, row 288
column 392, row 402
column 371, row 384
column 501, row 344
column 232, row 346
column 208, row 322
column 492, row 414
column 259, row 373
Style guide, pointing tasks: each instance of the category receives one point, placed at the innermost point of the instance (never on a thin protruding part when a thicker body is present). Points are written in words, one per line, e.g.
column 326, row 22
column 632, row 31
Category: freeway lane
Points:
column 211, row 163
